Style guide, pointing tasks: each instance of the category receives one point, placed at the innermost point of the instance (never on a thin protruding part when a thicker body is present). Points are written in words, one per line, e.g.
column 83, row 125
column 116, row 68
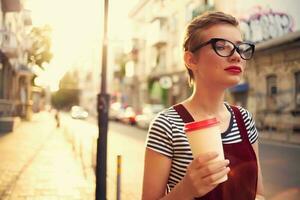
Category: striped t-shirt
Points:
column 166, row 136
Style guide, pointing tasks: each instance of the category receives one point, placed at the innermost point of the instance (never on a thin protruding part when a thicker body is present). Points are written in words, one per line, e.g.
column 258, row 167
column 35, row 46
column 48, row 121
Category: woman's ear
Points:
column 190, row 60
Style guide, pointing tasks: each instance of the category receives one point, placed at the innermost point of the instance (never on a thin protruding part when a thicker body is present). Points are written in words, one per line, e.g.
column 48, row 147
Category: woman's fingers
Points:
column 212, row 168
column 203, row 172
column 211, row 179
column 203, row 159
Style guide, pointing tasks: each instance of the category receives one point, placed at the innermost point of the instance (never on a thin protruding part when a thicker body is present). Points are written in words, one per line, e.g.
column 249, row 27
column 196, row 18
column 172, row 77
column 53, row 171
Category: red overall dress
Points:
column 242, row 178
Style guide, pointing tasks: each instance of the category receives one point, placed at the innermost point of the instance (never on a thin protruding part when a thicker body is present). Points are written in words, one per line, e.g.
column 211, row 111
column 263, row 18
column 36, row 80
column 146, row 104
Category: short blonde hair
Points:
column 200, row 23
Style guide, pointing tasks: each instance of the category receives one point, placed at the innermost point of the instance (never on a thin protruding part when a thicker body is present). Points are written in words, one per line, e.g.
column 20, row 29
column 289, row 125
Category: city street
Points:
column 60, row 163
column 123, row 140
column 280, row 163
column 63, row 63
column 280, row 167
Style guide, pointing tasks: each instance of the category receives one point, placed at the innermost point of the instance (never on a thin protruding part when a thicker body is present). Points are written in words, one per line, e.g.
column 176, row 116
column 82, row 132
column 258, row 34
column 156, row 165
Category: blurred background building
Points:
column 15, row 75
column 152, row 70
column 148, row 68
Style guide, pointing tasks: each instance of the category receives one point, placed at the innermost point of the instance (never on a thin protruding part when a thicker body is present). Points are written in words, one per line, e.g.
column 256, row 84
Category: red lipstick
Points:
column 233, row 69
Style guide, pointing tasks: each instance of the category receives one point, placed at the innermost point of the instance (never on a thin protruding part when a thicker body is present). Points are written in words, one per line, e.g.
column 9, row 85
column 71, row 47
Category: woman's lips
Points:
column 233, row 69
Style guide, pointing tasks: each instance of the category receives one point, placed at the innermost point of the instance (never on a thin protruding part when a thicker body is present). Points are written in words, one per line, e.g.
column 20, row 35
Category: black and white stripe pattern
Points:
column 166, row 136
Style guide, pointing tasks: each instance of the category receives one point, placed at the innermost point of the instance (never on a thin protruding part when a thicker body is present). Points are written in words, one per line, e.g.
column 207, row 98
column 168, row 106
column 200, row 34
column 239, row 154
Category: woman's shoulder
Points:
column 166, row 116
column 241, row 108
column 244, row 111
column 161, row 124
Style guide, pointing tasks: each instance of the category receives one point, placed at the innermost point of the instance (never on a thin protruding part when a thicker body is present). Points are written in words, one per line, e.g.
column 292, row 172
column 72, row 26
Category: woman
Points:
column 215, row 57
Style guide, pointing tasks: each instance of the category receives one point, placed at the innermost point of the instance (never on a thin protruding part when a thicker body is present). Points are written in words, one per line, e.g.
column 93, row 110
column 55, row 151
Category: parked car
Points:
column 78, row 112
column 115, row 110
column 148, row 113
column 127, row 116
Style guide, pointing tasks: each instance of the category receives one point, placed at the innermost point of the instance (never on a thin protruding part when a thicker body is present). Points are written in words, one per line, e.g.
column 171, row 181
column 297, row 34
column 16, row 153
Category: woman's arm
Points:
column 260, row 187
column 156, row 173
column 197, row 181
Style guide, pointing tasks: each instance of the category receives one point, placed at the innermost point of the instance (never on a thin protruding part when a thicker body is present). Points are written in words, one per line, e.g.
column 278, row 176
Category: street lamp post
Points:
column 102, row 108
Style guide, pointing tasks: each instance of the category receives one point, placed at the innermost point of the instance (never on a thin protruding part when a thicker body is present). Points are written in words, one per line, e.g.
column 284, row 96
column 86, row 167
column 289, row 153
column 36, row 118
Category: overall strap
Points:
column 252, row 164
column 183, row 113
column 240, row 123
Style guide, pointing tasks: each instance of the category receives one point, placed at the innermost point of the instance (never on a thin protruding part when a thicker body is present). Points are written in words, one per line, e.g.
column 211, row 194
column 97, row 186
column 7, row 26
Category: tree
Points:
column 40, row 53
column 68, row 93
column 121, row 60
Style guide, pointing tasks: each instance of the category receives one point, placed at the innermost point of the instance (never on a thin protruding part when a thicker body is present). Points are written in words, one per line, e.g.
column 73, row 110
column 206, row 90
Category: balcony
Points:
column 157, row 32
column 158, row 39
column 27, row 17
column 9, row 44
column 157, row 10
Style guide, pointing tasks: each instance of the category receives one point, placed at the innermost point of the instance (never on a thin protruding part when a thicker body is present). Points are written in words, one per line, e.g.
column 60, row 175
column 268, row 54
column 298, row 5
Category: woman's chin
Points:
column 232, row 83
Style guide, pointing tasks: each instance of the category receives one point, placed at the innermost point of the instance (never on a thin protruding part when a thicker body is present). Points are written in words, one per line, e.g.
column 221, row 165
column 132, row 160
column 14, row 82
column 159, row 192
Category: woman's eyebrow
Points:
column 239, row 41
column 233, row 41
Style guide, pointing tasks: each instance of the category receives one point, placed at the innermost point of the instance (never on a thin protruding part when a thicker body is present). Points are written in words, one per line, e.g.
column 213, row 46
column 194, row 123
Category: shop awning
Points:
column 240, row 88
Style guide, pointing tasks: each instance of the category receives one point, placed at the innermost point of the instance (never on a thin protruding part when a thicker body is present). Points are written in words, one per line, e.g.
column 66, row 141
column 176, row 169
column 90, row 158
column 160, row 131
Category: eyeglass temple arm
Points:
column 200, row 46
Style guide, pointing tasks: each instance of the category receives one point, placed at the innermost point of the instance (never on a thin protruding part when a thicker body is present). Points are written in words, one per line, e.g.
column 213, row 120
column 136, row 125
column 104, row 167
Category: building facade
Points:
column 274, row 84
column 270, row 88
column 15, row 75
column 157, row 40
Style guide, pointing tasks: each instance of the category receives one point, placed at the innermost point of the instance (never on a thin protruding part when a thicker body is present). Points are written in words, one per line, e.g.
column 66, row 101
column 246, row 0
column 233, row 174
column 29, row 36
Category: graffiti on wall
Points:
column 266, row 24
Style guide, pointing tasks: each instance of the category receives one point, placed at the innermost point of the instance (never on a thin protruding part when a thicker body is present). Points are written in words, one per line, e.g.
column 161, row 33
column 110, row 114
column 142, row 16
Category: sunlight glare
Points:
column 77, row 31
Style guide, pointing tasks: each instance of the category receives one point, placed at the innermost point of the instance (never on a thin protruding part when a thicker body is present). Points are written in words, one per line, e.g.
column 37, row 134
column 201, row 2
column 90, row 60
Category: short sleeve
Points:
column 250, row 125
column 159, row 136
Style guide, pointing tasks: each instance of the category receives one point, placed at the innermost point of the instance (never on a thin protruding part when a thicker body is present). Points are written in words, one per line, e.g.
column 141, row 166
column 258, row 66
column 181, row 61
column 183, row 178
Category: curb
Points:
column 264, row 139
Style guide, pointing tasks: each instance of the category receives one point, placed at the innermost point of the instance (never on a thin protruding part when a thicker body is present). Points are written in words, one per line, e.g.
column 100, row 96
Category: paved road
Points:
column 280, row 163
column 281, row 171
column 123, row 140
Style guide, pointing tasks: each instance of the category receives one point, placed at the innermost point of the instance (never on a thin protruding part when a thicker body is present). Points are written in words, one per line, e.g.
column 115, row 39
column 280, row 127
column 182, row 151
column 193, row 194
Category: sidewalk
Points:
column 38, row 163
column 280, row 137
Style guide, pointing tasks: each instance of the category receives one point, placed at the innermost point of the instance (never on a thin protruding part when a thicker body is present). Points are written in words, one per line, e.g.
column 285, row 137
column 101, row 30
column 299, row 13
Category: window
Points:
column 189, row 12
column 175, row 57
column 271, row 91
column 271, row 85
column 161, row 60
column 1, row 80
column 297, row 89
column 174, row 23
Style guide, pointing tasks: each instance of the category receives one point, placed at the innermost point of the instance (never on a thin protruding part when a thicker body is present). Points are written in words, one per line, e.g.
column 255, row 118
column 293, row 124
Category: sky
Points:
column 77, row 29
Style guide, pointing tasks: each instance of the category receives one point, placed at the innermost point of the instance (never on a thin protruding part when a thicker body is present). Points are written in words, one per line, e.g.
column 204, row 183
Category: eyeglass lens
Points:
column 226, row 48
column 245, row 50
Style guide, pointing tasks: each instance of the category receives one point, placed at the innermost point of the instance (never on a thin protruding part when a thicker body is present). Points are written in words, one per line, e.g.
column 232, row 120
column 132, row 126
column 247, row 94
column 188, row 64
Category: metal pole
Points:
column 119, row 167
column 102, row 107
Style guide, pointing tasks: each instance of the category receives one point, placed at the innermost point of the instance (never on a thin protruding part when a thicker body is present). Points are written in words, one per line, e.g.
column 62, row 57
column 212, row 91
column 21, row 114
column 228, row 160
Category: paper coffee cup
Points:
column 205, row 136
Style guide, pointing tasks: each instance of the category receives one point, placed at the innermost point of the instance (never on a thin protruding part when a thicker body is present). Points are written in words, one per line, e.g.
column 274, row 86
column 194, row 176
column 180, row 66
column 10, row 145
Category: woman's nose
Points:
column 235, row 56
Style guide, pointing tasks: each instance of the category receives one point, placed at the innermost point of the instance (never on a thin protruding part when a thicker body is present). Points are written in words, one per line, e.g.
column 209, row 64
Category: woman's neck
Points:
column 207, row 101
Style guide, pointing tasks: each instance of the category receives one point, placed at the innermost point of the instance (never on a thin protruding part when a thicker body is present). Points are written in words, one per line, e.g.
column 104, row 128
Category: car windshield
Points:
column 77, row 109
column 154, row 108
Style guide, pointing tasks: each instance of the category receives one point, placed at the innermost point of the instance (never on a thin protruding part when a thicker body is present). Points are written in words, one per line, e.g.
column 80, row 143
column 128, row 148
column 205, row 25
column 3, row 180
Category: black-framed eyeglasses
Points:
column 226, row 48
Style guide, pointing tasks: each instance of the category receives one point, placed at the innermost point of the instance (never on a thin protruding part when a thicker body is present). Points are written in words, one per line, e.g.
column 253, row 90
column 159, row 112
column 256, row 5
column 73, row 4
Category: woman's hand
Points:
column 259, row 197
column 202, row 174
